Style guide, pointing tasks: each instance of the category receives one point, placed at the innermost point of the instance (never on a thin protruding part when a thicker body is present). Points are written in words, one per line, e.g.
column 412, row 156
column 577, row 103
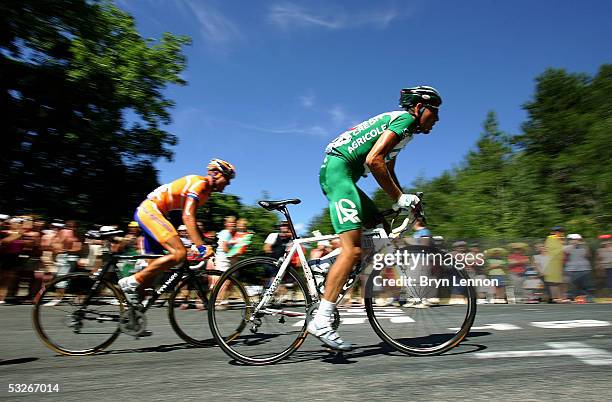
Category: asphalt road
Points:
column 524, row 352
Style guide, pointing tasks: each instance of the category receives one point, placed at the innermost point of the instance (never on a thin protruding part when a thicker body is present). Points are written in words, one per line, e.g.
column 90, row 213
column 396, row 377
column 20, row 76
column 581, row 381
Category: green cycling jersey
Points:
column 354, row 144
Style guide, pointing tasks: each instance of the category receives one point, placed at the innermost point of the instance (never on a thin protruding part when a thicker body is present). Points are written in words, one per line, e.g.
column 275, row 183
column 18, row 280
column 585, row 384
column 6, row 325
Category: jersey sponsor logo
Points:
column 346, row 211
column 366, row 138
column 348, row 135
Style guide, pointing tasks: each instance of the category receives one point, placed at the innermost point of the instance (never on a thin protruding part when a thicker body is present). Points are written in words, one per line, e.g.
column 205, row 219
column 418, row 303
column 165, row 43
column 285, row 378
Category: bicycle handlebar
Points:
column 415, row 213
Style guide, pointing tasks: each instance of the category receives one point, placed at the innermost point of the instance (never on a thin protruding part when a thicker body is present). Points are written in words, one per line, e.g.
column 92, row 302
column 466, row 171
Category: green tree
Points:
column 81, row 92
column 566, row 143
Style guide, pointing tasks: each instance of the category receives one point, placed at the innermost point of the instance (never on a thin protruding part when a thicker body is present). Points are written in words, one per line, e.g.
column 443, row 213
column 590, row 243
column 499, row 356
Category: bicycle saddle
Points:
column 270, row 205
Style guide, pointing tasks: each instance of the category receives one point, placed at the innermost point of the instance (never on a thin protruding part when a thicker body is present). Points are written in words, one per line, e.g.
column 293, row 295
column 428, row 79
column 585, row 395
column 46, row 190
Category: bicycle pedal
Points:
column 144, row 334
column 334, row 352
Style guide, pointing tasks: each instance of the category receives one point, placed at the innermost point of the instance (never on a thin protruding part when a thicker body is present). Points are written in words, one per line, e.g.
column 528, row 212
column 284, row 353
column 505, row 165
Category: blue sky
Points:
column 271, row 83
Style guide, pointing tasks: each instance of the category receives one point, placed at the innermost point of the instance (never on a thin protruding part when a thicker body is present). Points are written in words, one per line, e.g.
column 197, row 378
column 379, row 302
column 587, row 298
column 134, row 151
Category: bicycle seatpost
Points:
column 285, row 212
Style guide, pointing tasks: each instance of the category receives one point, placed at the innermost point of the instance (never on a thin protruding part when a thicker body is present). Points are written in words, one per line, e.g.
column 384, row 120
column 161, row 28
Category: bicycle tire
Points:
column 445, row 345
column 240, row 270
column 201, row 334
column 105, row 299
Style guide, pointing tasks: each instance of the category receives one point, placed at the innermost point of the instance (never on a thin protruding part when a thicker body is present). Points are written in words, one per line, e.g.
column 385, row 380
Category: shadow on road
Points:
column 18, row 361
column 161, row 348
column 329, row 356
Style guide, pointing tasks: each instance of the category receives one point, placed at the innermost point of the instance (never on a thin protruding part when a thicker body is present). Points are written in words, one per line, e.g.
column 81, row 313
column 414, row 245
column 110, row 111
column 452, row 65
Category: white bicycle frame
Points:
column 296, row 247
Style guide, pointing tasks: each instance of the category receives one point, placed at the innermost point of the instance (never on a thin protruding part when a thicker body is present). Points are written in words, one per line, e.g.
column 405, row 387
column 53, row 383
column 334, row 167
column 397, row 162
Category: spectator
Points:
column 131, row 244
column 554, row 269
column 48, row 252
column 540, row 262
column 45, row 271
column 67, row 248
column 32, row 270
column 604, row 262
column 133, row 241
column 477, row 271
column 497, row 266
column 517, row 265
column 276, row 243
column 578, row 268
column 241, row 240
column 532, row 286
column 184, row 236
column 421, row 234
column 458, row 292
column 225, row 243
column 11, row 243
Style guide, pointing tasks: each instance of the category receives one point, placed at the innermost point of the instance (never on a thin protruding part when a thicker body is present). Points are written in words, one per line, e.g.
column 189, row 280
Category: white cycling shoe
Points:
column 130, row 289
column 328, row 336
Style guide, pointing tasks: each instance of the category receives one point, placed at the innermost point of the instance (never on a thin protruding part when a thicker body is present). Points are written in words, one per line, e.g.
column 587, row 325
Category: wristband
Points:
column 202, row 249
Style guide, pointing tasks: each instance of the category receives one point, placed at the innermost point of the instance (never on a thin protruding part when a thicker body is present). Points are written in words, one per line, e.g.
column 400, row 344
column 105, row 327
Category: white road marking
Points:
column 579, row 350
column 569, row 324
column 401, row 320
column 353, row 320
column 357, row 315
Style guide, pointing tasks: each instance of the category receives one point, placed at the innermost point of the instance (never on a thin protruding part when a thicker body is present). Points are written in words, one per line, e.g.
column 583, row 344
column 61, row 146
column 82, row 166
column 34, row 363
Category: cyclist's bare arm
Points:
column 189, row 219
column 376, row 163
column 391, row 169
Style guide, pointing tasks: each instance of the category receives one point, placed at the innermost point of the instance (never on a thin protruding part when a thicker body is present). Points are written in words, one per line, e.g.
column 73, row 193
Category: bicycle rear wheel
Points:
column 188, row 308
column 421, row 319
column 69, row 325
column 269, row 334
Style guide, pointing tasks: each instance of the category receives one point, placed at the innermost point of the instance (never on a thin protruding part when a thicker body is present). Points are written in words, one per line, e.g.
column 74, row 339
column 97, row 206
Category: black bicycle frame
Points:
column 169, row 284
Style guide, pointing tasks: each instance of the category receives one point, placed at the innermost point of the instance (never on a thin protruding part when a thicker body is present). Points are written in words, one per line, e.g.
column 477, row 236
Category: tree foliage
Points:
column 553, row 173
column 82, row 97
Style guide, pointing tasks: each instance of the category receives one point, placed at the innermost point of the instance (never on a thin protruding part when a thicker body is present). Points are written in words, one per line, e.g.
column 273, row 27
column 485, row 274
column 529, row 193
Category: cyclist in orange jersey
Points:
column 185, row 194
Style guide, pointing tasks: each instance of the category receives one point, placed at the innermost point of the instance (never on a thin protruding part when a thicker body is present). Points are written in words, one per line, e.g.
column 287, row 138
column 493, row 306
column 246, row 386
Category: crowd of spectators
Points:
column 559, row 269
column 34, row 251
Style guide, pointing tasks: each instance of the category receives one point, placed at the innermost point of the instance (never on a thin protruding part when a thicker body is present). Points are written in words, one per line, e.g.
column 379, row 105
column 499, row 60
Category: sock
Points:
column 133, row 281
column 323, row 316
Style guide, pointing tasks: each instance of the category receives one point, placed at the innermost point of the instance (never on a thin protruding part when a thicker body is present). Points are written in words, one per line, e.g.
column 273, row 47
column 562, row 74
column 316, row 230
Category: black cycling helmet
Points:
column 421, row 94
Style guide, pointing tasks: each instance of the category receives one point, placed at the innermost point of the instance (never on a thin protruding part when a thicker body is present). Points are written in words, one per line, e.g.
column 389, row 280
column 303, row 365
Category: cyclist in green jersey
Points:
column 371, row 146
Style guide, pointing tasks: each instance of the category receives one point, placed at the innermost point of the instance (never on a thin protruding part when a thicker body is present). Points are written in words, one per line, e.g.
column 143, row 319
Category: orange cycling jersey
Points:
column 172, row 196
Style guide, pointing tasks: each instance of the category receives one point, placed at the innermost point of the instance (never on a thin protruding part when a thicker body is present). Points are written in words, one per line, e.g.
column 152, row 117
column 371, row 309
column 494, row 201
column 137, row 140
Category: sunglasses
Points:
column 434, row 109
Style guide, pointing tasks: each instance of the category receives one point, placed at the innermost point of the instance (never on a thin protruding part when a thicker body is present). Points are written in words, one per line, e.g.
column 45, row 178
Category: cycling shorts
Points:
column 157, row 229
column 349, row 207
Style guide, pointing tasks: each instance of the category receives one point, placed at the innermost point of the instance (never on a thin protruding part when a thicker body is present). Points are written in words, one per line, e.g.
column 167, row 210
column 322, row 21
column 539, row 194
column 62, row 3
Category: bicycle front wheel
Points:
column 420, row 318
column 188, row 308
column 73, row 316
column 271, row 332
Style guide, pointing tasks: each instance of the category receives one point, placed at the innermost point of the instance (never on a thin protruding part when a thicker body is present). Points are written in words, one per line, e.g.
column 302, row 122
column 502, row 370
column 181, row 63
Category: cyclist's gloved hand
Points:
column 204, row 251
column 406, row 201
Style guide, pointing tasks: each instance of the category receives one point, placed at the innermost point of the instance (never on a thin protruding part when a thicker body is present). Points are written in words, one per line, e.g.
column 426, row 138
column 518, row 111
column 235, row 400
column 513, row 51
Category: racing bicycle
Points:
column 417, row 319
column 83, row 313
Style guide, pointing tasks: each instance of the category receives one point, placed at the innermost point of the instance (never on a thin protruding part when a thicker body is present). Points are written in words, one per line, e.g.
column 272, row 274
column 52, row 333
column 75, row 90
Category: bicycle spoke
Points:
column 270, row 332
column 66, row 325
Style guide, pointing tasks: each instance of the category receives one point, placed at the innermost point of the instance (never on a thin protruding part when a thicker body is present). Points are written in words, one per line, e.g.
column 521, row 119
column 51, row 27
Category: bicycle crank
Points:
column 133, row 322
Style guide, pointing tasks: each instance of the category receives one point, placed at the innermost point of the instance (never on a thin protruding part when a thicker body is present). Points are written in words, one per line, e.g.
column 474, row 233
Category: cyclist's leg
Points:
column 177, row 255
column 338, row 185
column 158, row 232
column 346, row 213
